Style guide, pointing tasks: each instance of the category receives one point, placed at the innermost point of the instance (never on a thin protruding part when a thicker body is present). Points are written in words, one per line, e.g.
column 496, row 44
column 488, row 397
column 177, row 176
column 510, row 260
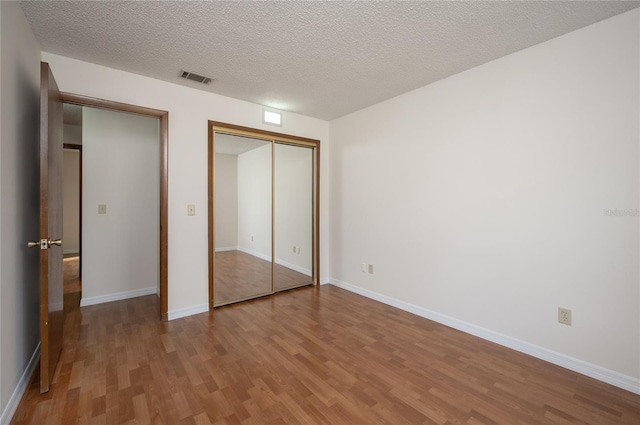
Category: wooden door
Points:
column 51, row 289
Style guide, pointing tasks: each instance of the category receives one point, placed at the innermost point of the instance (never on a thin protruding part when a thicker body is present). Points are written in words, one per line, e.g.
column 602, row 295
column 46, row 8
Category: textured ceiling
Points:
column 323, row 59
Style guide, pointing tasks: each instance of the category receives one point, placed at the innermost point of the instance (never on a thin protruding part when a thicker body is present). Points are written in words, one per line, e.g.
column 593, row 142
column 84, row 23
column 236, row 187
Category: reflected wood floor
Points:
column 307, row 356
column 240, row 275
column 71, row 275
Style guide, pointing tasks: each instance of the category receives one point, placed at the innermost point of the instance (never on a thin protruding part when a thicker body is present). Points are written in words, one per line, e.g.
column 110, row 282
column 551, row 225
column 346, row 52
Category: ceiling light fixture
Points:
column 272, row 117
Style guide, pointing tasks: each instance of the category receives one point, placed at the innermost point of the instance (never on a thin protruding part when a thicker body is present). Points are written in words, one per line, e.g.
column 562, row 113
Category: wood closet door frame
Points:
column 233, row 129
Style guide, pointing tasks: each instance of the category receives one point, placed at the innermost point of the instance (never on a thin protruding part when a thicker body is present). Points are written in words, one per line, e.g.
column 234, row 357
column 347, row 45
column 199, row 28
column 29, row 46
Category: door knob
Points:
column 55, row 242
column 42, row 243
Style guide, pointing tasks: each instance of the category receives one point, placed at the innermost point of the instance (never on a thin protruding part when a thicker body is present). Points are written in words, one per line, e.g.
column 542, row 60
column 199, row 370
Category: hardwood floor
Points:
column 240, row 275
column 307, row 356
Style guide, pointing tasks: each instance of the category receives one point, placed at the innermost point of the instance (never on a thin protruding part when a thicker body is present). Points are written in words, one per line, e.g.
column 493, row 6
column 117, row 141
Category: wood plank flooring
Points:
column 307, row 356
column 240, row 275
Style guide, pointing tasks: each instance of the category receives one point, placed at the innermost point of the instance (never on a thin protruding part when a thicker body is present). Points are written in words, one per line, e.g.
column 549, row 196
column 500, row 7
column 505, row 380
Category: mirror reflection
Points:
column 293, row 219
column 242, row 217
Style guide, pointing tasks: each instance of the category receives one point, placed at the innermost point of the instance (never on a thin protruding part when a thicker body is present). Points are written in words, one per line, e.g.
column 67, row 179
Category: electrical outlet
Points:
column 370, row 268
column 295, row 249
column 564, row 316
column 363, row 267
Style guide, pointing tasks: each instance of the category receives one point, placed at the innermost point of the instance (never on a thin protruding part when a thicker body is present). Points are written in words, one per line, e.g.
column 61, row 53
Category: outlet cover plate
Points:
column 564, row 316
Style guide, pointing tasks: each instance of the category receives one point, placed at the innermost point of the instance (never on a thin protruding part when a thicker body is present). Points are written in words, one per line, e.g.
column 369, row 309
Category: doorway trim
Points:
column 214, row 126
column 80, row 100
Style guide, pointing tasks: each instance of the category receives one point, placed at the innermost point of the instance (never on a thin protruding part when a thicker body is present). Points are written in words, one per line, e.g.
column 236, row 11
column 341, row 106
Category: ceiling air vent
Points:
column 195, row 77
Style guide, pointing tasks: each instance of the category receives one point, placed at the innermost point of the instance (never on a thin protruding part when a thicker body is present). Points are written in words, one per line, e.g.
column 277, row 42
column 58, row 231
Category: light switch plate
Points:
column 102, row 208
column 191, row 209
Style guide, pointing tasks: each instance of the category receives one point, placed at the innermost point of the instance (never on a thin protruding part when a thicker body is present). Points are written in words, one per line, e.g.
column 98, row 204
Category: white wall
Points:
column 482, row 197
column 294, row 207
column 254, row 201
column 226, row 202
column 72, row 134
column 19, row 202
column 189, row 110
column 121, row 169
column 71, row 201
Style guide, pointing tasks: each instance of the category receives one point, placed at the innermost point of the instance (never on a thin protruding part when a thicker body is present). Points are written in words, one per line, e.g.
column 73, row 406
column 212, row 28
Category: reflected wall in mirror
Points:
column 293, row 218
column 242, row 217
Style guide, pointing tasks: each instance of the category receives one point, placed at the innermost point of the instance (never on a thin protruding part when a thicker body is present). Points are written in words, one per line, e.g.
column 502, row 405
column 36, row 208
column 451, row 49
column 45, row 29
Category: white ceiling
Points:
column 323, row 59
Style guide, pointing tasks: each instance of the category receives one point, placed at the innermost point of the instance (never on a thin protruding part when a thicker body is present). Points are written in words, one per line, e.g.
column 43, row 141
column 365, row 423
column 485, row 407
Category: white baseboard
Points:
column 184, row 312
column 21, row 388
column 71, row 251
column 117, row 296
column 278, row 261
column 594, row 371
column 293, row 267
column 255, row 254
column 325, row 281
column 227, row 248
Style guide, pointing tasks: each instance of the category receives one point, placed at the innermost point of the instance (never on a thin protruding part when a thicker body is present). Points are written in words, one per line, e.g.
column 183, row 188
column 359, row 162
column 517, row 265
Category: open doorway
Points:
column 72, row 203
column 110, row 169
column 72, row 221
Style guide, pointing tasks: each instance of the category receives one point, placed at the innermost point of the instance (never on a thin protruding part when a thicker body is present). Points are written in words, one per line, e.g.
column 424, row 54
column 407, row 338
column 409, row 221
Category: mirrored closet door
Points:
column 242, row 218
column 263, row 207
